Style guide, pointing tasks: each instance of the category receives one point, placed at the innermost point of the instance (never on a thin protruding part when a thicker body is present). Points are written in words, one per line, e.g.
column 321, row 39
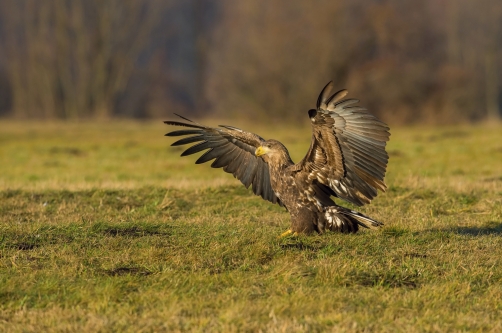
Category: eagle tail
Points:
column 346, row 220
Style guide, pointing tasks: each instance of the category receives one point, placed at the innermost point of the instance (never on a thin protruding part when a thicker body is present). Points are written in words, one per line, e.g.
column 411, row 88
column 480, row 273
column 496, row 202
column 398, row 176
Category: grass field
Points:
column 104, row 228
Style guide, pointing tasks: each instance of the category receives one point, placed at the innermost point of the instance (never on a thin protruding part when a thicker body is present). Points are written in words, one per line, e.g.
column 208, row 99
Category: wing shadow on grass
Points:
column 491, row 228
column 131, row 230
column 119, row 271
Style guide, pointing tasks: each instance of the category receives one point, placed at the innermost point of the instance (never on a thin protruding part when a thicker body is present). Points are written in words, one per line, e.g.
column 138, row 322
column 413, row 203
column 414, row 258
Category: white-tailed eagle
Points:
column 346, row 160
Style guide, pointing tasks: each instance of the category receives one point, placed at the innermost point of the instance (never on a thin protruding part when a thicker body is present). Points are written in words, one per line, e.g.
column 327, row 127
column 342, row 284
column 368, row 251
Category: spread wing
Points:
column 232, row 149
column 347, row 152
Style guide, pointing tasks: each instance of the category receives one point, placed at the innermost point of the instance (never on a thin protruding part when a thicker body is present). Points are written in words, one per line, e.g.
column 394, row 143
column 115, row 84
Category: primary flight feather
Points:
column 346, row 160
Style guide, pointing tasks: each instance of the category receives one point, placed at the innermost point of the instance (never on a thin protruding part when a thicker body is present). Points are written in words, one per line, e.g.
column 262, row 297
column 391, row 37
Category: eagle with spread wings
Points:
column 346, row 160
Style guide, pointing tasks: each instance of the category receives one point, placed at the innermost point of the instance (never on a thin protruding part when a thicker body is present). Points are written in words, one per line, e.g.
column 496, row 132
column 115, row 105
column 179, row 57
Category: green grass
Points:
column 104, row 228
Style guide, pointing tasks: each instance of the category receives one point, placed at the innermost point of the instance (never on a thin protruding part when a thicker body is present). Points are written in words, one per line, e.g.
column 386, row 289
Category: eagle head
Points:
column 262, row 150
column 273, row 150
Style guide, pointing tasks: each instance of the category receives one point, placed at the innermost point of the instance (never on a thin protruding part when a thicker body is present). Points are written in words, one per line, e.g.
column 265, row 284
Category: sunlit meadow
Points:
column 103, row 227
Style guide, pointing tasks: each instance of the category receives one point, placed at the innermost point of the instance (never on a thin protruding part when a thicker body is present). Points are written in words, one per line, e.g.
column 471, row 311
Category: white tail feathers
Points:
column 346, row 220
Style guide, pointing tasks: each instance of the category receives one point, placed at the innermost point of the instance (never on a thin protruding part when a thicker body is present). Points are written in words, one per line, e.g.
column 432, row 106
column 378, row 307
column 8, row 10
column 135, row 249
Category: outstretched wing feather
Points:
column 336, row 98
column 231, row 149
column 190, row 139
column 234, row 163
column 249, row 172
column 203, row 146
column 209, row 155
column 183, row 132
column 347, row 153
column 225, row 158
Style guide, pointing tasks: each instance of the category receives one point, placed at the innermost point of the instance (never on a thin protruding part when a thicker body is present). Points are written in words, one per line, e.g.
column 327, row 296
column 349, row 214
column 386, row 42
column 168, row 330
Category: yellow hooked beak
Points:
column 261, row 151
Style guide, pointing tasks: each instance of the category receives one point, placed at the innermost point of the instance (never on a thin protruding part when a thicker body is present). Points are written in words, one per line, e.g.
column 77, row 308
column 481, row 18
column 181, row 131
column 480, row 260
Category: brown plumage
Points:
column 346, row 159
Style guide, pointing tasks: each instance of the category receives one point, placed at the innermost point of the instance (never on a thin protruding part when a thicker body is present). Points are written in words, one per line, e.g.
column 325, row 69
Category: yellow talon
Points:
column 284, row 234
column 287, row 233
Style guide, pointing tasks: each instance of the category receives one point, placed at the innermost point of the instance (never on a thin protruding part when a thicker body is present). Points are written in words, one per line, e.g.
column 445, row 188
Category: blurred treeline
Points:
column 420, row 61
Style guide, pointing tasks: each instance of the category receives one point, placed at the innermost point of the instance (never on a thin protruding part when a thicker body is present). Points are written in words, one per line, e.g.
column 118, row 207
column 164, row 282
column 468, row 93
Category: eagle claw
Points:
column 287, row 233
